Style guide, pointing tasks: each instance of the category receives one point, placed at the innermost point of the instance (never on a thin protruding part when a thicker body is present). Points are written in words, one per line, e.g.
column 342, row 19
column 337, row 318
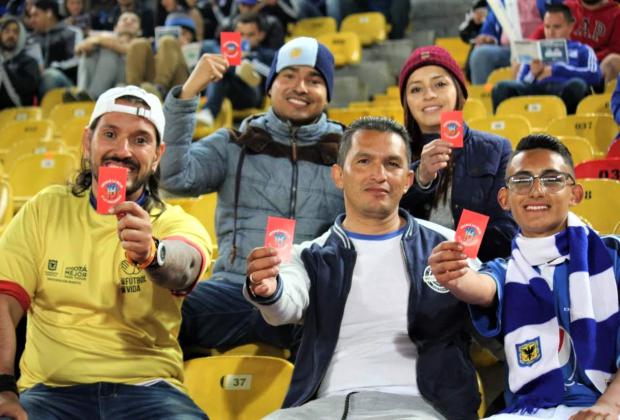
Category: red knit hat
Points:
column 431, row 55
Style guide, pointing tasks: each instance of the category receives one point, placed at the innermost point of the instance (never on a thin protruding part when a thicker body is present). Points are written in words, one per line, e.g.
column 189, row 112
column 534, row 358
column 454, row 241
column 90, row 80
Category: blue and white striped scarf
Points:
column 531, row 327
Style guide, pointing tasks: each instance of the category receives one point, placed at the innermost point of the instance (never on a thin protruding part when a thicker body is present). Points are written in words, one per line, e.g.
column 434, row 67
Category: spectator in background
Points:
column 244, row 84
column 106, row 20
column 449, row 180
column 76, row 15
column 102, row 56
column 19, row 73
column 57, row 42
column 158, row 71
column 598, row 25
column 183, row 6
column 570, row 81
column 470, row 28
column 492, row 46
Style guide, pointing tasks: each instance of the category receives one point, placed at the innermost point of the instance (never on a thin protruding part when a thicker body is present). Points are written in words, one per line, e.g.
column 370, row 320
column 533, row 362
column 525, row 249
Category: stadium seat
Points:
column 499, row 75
column 32, row 173
column 345, row 46
column 347, row 115
column 599, row 168
column 21, row 113
column 240, row 114
column 538, row 110
column 580, row 149
column 371, row 27
column 483, row 93
column 600, row 204
column 6, row 204
column 456, row 47
column 474, row 108
column 253, row 349
column 512, row 127
column 71, row 133
column 52, row 98
column 30, row 147
column 376, row 75
column 599, row 130
column 25, row 130
column 224, row 119
column 594, row 104
column 617, row 229
column 614, row 150
column 203, row 209
column 63, row 114
column 238, row 387
column 313, row 27
column 393, row 91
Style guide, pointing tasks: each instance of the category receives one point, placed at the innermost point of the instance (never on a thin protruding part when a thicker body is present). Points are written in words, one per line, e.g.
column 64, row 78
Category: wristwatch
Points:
column 160, row 254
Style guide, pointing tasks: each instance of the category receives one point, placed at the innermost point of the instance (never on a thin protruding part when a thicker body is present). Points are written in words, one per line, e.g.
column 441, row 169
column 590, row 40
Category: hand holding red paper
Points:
column 452, row 127
column 279, row 235
column 134, row 231
column 230, row 46
column 470, row 231
column 111, row 188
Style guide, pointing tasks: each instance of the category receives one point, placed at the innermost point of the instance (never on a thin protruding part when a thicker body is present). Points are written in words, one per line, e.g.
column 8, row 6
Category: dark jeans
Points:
column 571, row 91
column 106, row 400
column 216, row 315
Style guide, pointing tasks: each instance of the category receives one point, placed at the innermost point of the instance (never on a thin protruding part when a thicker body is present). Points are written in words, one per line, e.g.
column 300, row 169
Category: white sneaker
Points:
column 204, row 117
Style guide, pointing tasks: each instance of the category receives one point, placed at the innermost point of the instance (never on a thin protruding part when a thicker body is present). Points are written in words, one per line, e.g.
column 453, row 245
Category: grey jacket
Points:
column 268, row 185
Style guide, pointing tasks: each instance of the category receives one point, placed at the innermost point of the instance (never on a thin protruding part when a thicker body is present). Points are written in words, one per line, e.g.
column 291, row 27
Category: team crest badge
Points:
column 112, row 191
column 431, row 281
column 528, row 352
column 295, row 52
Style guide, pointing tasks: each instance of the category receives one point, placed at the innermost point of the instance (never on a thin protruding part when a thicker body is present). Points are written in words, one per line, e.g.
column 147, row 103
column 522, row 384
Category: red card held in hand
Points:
column 112, row 185
column 230, row 46
column 470, row 231
column 452, row 127
column 279, row 235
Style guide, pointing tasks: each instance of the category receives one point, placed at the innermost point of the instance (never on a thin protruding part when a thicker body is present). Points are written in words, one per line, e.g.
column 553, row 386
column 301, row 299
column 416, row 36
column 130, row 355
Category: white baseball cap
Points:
column 107, row 103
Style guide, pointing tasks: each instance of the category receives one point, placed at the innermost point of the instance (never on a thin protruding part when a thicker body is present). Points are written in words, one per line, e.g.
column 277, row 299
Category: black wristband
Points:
column 8, row 383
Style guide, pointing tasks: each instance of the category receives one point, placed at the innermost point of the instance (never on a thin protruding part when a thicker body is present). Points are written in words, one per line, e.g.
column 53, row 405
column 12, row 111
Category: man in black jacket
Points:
column 19, row 73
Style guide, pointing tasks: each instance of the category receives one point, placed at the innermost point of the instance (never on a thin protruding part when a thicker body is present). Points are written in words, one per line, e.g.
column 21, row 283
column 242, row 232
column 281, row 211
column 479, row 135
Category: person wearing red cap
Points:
column 449, row 180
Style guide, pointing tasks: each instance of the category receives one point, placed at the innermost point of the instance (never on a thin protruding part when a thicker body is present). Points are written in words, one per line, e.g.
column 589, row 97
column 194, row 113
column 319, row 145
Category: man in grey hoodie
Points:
column 19, row 73
column 278, row 164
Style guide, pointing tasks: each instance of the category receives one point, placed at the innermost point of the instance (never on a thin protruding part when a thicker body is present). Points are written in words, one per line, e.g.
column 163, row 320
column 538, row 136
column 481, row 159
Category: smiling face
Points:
column 124, row 140
column 375, row 175
column 540, row 213
column 430, row 91
column 298, row 94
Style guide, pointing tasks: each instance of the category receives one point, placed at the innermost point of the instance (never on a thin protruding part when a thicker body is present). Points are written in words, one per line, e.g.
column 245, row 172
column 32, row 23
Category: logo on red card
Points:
column 452, row 129
column 230, row 46
column 113, row 191
column 280, row 238
column 471, row 234
column 279, row 235
column 470, row 231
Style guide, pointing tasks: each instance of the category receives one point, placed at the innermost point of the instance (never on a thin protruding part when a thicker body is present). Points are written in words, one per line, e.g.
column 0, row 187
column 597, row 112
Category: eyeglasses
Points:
column 552, row 182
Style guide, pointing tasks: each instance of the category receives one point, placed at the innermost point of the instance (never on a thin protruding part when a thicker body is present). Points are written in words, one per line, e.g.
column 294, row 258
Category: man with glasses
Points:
column 554, row 301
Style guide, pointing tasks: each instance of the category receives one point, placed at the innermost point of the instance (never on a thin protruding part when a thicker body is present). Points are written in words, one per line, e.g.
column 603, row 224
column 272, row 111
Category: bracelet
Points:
column 417, row 177
column 8, row 383
column 152, row 253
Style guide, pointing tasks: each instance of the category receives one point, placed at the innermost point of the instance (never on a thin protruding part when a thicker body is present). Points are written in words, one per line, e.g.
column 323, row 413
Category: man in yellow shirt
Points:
column 102, row 292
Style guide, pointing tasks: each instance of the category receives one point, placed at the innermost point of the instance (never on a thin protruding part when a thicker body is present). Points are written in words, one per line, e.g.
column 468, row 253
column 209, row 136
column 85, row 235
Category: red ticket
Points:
column 452, row 127
column 230, row 46
column 279, row 235
column 470, row 231
column 112, row 185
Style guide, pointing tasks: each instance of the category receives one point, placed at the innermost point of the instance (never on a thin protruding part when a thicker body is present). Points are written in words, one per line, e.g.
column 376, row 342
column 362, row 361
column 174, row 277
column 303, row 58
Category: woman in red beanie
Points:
column 449, row 180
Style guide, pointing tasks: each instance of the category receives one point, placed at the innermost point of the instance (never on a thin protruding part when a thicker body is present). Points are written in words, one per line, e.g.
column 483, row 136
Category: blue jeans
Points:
column 216, row 315
column 571, row 91
column 486, row 58
column 106, row 400
column 53, row 78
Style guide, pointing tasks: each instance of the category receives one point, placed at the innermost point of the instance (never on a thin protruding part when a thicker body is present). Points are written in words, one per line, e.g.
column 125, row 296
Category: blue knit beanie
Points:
column 304, row 51
column 181, row 19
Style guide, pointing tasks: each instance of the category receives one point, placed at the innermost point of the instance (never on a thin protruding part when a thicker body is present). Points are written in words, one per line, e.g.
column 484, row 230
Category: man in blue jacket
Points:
column 381, row 338
column 278, row 164
column 570, row 81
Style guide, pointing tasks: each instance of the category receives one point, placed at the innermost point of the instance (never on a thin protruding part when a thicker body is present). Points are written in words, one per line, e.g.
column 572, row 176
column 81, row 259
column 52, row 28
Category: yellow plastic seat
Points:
column 314, row 27
column 393, row 91
column 32, row 173
column 224, row 119
column 52, row 98
column 345, row 46
column 611, row 86
column 30, row 147
column 594, row 104
column 499, row 75
column 538, row 110
column 6, row 205
column 64, row 114
column 511, row 127
column 253, row 349
column 600, row 204
column 238, row 387
column 617, row 229
column 71, row 133
column 580, row 149
column 25, row 130
column 456, row 47
column 482, row 93
column 371, row 27
column 347, row 115
column 474, row 108
column 22, row 113
column 599, row 130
